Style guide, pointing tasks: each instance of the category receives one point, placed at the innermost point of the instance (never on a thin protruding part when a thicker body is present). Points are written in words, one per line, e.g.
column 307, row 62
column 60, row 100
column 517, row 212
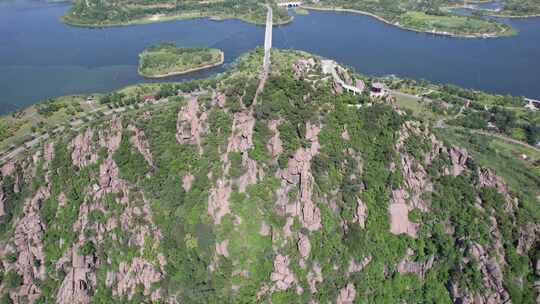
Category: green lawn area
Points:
column 417, row 108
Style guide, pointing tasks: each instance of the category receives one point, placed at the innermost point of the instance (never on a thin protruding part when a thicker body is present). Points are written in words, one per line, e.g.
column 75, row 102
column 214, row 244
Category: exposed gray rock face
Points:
column 345, row 135
column 48, row 153
column 221, row 100
column 304, row 246
column 343, row 74
column 537, row 283
column 218, row 201
column 139, row 141
column 302, row 67
column 265, row 229
column 459, row 159
column 82, row 154
column 3, row 199
column 223, row 248
column 109, row 180
column 360, row 215
column 357, row 267
column 187, row 181
column 314, row 277
column 112, row 137
column 299, row 174
column 8, row 168
column 346, row 295
column 241, row 140
column 492, row 281
column 282, row 276
column 79, row 281
column 28, row 239
column 415, row 177
column 138, row 272
column 486, row 178
column 528, row 236
column 337, row 88
column 399, row 215
column 190, row 126
column 418, row 268
column 415, row 183
column 275, row 145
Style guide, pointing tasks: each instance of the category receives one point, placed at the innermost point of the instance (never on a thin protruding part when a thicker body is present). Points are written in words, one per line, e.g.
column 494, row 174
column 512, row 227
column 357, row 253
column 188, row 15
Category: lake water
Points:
column 41, row 57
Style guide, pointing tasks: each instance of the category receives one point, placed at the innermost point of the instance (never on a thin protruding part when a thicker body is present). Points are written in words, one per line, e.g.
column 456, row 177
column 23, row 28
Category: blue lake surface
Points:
column 41, row 57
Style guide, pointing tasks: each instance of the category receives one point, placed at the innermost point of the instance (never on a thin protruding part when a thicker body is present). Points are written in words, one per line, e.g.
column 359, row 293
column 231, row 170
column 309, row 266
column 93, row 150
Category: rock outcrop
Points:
column 357, row 267
column 222, row 248
column 241, row 140
column 399, row 215
column 459, row 159
column 275, row 145
column 346, row 295
column 360, row 215
column 187, row 181
column 109, row 180
column 138, row 272
column 218, row 201
column 302, row 66
column 139, row 141
column 528, row 236
column 406, row 265
column 3, row 200
column 282, row 276
column 304, row 246
column 28, row 239
column 79, row 281
column 492, row 281
column 314, row 277
column 299, row 173
column 82, row 154
column 190, row 125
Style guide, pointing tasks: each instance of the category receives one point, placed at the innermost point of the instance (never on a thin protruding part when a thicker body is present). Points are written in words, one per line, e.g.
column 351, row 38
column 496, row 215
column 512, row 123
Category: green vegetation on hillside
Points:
column 166, row 60
column 138, row 195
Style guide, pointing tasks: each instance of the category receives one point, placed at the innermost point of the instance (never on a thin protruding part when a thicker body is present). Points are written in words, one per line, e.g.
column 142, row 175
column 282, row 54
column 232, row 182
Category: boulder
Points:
column 346, row 294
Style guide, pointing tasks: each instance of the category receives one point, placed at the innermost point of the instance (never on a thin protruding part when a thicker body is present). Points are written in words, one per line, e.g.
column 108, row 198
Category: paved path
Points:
column 329, row 66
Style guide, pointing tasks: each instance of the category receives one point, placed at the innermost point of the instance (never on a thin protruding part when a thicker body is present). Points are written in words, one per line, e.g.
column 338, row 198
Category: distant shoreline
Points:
column 447, row 34
column 69, row 20
column 191, row 70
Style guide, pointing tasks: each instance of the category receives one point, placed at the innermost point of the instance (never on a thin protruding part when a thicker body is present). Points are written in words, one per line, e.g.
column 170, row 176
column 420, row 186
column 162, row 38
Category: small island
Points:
column 165, row 59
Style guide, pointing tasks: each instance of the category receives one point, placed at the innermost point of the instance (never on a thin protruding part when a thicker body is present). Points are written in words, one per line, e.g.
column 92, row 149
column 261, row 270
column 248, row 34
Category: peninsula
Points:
column 165, row 59
column 432, row 17
column 97, row 13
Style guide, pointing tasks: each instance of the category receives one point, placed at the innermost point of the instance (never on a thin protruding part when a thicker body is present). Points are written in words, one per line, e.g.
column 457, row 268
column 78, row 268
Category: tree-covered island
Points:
column 165, row 59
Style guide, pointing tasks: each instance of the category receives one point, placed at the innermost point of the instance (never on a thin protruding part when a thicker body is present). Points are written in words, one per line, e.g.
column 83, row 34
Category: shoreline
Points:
column 166, row 18
column 501, row 34
column 204, row 67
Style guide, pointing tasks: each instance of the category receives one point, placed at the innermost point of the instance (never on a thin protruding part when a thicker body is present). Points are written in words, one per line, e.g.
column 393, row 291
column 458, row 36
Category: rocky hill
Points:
column 295, row 193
